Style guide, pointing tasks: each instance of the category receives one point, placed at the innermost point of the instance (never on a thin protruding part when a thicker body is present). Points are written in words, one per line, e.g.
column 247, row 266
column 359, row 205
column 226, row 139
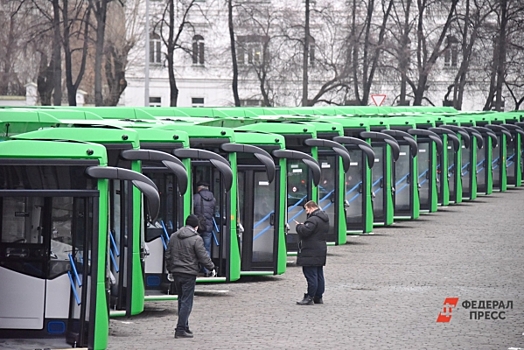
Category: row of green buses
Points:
column 90, row 195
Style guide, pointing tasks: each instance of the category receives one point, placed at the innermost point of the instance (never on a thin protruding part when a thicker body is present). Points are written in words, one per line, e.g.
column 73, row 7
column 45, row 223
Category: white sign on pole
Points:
column 378, row 99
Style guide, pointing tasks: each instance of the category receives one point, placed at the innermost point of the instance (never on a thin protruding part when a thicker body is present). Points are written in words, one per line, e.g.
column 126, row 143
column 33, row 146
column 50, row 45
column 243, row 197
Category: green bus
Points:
column 470, row 143
column 259, row 236
column 405, row 170
column 126, row 252
column 514, row 147
column 303, row 170
column 55, row 237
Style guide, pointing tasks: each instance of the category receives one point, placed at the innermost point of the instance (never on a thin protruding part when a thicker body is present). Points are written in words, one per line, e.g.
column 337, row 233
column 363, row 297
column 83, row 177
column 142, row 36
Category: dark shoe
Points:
column 188, row 331
column 306, row 301
column 318, row 301
column 183, row 334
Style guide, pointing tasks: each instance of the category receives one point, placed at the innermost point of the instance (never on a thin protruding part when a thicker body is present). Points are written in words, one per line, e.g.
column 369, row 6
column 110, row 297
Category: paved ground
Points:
column 384, row 291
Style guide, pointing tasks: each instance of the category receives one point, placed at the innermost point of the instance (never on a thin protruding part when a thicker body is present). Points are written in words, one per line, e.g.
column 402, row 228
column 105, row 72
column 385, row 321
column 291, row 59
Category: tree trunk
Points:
column 370, row 74
column 56, row 58
column 234, row 84
column 72, row 86
column 115, row 75
column 354, row 47
column 173, row 91
column 404, row 55
column 100, row 14
column 492, row 82
column 45, row 81
column 501, row 66
column 305, row 57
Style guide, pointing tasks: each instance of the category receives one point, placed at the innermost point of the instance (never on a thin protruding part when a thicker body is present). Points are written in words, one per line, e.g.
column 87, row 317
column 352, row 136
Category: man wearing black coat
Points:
column 312, row 251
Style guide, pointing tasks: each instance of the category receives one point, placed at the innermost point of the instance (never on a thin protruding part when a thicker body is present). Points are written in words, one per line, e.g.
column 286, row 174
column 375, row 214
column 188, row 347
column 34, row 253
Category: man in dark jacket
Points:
column 184, row 251
column 312, row 252
column 204, row 205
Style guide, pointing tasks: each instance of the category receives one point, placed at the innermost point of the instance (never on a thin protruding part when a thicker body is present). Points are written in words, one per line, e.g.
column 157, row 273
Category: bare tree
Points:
column 117, row 48
column 76, row 24
column 509, row 21
column 257, row 48
column 468, row 25
column 514, row 81
column 175, row 26
column 367, row 49
column 328, row 54
column 403, row 24
column 49, row 79
column 100, row 13
column 426, row 57
column 11, row 47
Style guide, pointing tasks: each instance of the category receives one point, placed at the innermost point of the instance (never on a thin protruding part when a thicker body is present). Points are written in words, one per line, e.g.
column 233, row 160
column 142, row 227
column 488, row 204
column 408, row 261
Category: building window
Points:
column 451, row 53
column 198, row 49
column 197, row 102
column 155, row 52
column 250, row 102
column 155, row 102
column 311, row 51
column 252, row 50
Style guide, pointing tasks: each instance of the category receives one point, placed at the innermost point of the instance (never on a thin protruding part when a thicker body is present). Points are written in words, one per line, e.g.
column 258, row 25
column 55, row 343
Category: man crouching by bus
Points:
column 184, row 252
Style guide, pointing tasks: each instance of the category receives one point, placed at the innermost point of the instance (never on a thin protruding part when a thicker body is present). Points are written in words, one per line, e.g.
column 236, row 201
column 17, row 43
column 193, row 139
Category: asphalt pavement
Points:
column 383, row 291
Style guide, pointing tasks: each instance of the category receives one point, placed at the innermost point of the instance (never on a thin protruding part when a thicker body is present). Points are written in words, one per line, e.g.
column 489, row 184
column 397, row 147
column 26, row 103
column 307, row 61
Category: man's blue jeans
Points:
column 207, row 236
column 315, row 280
column 185, row 286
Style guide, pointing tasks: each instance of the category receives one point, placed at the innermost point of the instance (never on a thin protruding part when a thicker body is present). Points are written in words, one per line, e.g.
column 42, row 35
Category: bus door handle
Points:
column 272, row 219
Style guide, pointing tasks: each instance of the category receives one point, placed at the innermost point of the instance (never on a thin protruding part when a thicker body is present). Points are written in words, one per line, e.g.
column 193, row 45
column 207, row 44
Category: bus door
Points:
column 170, row 176
column 403, row 174
column 46, row 243
column 212, row 168
column 48, row 233
column 513, row 160
column 521, row 170
column 122, row 182
column 382, row 186
column 328, row 195
column 121, row 233
column 470, row 188
column 426, row 166
column 357, row 188
column 466, row 174
column 448, row 165
column 303, row 172
column 460, row 160
column 258, row 207
column 484, row 171
column 499, row 156
column 49, row 250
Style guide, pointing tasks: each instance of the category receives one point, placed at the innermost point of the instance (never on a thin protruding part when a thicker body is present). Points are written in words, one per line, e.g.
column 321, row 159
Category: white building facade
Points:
column 269, row 38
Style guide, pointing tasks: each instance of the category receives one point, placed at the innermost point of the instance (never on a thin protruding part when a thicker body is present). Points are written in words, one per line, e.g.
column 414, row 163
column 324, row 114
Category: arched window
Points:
column 198, row 49
column 155, row 52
